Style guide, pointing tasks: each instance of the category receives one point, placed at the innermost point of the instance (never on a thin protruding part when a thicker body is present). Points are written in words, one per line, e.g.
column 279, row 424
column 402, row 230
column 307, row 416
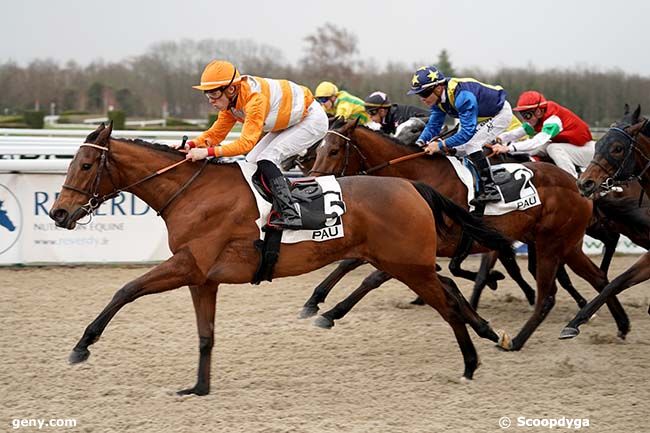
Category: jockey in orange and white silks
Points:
column 553, row 130
column 287, row 112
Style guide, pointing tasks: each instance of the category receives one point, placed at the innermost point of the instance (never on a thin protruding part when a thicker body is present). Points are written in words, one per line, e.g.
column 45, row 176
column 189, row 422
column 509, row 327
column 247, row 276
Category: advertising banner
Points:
column 125, row 229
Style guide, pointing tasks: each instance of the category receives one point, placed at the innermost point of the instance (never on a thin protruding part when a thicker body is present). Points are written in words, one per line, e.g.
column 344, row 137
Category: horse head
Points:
column 410, row 130
column 88, row 180
column 623, row 153
column 334, row 155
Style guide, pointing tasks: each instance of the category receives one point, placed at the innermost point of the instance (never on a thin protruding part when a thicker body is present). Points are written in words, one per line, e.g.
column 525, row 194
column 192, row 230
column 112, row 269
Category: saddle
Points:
column 309, row 195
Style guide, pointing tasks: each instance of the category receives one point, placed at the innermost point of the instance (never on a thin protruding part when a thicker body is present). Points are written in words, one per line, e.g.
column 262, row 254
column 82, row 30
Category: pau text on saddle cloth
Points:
column 559, row 423
column 43, row 423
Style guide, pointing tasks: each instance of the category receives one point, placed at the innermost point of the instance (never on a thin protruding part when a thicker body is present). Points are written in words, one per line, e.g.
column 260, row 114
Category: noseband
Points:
column 625, row 167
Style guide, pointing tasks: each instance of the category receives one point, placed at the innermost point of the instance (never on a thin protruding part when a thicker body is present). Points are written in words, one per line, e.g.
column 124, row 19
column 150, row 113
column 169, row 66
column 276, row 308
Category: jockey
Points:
column 385, row 116
column 554, row 130
column 483, row 113
column 285, row 111
column 339, row 103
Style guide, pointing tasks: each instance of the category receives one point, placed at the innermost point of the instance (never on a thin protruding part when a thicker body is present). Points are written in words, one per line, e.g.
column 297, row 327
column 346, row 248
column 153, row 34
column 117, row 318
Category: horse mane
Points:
column 393, row 140
column 155, row 146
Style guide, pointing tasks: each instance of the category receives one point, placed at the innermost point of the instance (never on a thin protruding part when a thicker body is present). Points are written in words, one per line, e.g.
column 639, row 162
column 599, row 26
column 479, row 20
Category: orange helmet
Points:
column 218, row 73
column 530, row 100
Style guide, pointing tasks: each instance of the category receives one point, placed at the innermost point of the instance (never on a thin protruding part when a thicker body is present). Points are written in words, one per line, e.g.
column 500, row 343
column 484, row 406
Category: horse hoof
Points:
column 324, row 322
column 465, row 379
column 569, row 332
column 196, row 391
column 622, row 334
column 417, row 301
column 78, row 355
column 505, row 342
column 307, row 312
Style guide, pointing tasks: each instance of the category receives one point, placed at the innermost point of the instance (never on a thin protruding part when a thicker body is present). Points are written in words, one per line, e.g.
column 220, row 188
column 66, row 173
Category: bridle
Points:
column 349, row 144
column 625, row 167
column 94, row 199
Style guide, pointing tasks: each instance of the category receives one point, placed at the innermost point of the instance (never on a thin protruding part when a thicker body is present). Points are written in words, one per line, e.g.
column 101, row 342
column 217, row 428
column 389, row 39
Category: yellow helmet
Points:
column 218, row 73
column 326, row 89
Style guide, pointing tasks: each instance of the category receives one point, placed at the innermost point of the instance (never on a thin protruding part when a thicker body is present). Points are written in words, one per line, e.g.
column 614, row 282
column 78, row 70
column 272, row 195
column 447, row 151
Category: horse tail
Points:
column 472, row 225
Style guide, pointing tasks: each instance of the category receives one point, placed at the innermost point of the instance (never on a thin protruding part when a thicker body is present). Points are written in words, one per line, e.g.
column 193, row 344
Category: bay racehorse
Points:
column 210, row 215
column 622, row 154
column 556, row 227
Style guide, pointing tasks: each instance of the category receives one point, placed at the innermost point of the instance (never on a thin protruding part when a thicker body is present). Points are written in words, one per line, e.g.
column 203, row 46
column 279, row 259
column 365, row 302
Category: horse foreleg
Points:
column 205, row 301
column 177, row 271
column 637, row 273
column 565, row 281
column 585, row 268
column 371, row 282
column 323, row 289
column 488, row 261
column 547, row 265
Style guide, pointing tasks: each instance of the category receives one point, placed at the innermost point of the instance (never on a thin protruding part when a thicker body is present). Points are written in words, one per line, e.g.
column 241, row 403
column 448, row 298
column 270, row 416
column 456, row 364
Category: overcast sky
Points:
column 544, row 33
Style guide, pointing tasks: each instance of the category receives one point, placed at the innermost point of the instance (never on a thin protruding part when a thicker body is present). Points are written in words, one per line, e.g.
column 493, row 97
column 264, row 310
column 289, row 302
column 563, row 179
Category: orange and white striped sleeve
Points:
column 217, row 132
column 256, row 111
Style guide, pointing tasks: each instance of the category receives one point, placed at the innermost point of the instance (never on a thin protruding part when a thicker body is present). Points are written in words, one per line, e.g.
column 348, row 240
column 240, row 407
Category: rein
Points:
column 94, row 200
column 364, row 160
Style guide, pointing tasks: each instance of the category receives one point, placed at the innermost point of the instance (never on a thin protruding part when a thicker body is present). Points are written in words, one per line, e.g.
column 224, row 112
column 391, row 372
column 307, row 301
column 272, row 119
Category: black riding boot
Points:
column 288, row 217
column 487, row 190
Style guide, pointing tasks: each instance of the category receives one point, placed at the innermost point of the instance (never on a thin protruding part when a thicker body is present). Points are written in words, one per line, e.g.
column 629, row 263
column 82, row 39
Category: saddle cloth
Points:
column 332, row 203
column 514, row 182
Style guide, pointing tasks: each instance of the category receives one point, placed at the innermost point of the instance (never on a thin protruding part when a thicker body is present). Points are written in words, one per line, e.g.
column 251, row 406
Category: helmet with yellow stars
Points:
column 425, row 77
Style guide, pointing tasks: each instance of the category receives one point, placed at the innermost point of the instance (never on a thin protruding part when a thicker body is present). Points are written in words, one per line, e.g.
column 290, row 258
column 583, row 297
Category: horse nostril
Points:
column 58, row 215
column 587, row 186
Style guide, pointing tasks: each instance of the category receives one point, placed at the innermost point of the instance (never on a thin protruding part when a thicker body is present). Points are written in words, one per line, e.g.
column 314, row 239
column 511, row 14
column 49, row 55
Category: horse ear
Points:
column 105, row 134
column 93, row 135
column 636, row 114
column 626, row 109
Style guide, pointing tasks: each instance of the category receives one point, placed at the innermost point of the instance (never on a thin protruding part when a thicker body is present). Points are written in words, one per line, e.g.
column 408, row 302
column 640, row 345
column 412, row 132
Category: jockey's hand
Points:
column 500, row 148
column 197, row 154
column 497, row 140
column 188, row 145
column 432, row 148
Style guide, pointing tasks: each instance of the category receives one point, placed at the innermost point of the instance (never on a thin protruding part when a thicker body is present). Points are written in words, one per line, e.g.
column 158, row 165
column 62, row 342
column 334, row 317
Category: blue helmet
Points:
column 425, row 77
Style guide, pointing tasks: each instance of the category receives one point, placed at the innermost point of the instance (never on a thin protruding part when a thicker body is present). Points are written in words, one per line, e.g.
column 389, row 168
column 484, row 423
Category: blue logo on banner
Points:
column 11, row 219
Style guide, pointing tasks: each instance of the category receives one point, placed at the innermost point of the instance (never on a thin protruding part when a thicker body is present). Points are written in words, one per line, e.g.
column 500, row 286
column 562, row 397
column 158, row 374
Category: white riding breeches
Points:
column 487, row 131
column 280, row 145
column 567, row 155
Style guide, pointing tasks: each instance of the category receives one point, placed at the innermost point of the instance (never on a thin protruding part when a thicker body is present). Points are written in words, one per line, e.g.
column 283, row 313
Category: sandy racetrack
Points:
column 387, row 367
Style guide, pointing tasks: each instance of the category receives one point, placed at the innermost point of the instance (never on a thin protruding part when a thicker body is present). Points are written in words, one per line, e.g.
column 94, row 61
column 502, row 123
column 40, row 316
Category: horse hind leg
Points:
column 325, row 287
column 431, row 291
column 374, row 280
column 460, row 305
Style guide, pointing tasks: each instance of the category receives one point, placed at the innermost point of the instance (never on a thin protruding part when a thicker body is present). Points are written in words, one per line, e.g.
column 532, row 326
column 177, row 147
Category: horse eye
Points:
column 333, row 152
column 618, row 148
column 86, row 166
